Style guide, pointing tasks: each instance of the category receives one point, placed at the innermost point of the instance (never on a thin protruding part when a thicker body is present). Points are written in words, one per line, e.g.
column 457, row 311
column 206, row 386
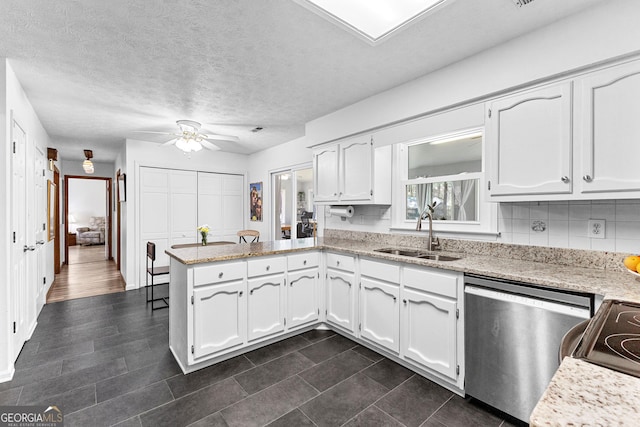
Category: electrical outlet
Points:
column 596, row 229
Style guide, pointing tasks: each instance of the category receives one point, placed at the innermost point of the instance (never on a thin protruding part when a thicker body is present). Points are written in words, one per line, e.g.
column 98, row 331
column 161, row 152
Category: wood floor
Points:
column 87, row 274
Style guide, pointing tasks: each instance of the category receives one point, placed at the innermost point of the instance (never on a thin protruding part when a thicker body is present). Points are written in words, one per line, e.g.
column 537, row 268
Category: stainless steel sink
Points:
column 437, row 257
column 416, row 254
column 403, row 252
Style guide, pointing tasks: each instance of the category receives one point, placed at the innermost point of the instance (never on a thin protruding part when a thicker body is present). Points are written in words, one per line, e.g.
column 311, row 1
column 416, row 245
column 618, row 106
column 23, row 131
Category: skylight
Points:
column 374, row 20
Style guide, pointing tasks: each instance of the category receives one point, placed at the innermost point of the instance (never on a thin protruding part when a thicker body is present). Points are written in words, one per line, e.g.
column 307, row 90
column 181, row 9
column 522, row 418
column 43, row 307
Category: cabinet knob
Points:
column 404, row 301
column 220, row 275
column 337, row 262
column 565, row 179
column 268, row 267
column 395, row 299
column 587, row 178
column 304, row 262
column 240, row 293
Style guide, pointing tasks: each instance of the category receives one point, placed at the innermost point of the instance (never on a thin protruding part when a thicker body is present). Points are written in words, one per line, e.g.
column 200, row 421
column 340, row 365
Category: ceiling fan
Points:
column 190, row 139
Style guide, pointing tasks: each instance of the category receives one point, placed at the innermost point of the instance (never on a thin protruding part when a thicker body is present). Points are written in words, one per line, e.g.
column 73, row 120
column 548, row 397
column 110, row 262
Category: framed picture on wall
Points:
column 255, row 201
column 51, row 210
column 122, row 188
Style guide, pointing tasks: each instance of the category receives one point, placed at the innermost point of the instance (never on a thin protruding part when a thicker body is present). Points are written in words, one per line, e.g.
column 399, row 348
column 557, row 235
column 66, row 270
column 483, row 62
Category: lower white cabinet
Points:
column 380, row 305
column 266, row 300
column 429, row 320
column 341, row 292
column 302, row 298
column 219, row 317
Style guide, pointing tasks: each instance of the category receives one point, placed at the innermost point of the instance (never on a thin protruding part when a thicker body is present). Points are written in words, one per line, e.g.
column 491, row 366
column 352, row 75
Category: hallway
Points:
column 87, row 274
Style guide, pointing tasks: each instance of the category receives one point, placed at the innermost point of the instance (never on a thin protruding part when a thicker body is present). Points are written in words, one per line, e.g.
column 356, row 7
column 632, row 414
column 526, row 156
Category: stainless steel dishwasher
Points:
column 512, row 335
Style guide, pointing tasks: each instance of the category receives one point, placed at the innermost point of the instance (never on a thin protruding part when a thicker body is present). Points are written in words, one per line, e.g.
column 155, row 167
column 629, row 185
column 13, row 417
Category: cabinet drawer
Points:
column 268, row 265
column 432, row 281
column 218, row 273
column 380, row 270
column 341, row 262
column 303, row 260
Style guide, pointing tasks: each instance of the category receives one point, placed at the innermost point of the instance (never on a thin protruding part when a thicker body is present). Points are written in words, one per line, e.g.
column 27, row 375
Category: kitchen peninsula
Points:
column 233, row 270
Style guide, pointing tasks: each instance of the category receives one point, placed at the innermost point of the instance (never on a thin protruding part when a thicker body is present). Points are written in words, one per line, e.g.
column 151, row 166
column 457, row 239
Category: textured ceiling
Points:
column 96, row 71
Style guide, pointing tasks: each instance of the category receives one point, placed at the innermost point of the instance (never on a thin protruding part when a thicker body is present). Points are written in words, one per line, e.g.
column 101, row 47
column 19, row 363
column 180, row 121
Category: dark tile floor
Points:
column 105, row 360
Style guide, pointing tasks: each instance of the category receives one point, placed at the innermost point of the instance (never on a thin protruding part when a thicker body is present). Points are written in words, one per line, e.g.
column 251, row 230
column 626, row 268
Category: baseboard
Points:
column 7, row 375
column 130, row 287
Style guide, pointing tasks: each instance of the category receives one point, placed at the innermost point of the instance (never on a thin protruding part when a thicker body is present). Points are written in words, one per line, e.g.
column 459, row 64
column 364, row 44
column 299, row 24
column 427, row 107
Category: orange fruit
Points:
column 631, row 262
column 638, row 267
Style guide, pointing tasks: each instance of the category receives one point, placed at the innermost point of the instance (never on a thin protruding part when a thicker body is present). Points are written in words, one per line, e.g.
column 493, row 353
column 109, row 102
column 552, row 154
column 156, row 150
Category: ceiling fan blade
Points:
column 170, row 142
column 221, row 137
column 148, row 131
column 209, row 146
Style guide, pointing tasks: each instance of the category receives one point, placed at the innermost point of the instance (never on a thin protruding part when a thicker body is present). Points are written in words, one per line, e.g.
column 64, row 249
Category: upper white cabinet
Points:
column 352, row 171
column 529, row 142
column 609, row 129
column 555, row 143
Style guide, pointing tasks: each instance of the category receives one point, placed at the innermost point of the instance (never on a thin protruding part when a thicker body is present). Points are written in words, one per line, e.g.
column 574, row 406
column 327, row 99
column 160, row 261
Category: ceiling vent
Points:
column 521, row 3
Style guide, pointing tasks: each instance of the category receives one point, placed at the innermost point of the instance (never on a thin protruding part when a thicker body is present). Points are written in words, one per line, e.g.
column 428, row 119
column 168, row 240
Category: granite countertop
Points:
column 580, row 393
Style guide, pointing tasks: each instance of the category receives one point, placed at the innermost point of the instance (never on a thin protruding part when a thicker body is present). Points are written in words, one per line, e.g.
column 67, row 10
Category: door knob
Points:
column 26, row 248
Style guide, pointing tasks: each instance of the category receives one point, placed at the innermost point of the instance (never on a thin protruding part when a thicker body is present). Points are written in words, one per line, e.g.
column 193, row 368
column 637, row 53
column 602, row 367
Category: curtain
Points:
column 466, row 188
column 423, row 196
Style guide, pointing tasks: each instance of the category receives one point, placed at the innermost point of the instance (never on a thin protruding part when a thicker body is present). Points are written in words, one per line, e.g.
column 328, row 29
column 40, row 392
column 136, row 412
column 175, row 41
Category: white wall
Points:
column 597, row 34
column 263, row 163
column 87, row 198
column 14, row 102
column 142, row 153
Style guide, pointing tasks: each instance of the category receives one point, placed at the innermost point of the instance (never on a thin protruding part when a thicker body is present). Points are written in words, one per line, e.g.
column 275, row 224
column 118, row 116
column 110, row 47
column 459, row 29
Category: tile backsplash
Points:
column 567, row 224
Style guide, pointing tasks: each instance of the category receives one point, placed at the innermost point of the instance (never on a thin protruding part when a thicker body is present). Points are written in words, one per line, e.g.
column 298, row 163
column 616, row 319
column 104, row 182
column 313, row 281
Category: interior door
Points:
column 38, row 225
column 19, row 238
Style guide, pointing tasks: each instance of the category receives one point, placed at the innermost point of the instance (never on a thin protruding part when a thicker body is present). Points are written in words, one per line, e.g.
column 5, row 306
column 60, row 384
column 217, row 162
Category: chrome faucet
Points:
column 433, row 244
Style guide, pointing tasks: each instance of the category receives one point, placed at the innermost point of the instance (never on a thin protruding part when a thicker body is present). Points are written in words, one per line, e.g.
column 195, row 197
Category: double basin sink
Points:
column 416, row 254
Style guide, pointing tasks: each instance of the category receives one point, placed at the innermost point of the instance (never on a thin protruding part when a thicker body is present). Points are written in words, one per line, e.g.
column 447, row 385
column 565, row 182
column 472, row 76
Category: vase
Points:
column 204, row 239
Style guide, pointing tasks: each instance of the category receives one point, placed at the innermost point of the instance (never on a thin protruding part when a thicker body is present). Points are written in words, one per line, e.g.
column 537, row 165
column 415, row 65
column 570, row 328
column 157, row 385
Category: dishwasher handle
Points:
column 580, row 312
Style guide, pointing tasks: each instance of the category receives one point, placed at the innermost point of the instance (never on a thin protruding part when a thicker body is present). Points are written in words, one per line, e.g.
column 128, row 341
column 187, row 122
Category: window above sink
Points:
column 447, row 169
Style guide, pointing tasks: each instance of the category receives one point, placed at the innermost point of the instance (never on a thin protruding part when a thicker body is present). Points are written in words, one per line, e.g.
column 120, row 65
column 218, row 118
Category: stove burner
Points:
column 612, row 339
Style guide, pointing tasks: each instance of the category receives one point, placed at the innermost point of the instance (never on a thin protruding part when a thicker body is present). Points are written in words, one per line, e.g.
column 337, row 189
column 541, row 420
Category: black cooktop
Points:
column 612, row 339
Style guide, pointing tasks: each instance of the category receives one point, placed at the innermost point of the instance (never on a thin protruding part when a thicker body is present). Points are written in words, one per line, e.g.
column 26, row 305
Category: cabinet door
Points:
column 529, row 143
column 219, row 317
column 609, row 129
column 266, row 306
column 356, row 169
column 302, row 298
column 325, row 171
column 380, row 313
column 429, row 331
column 340, row 299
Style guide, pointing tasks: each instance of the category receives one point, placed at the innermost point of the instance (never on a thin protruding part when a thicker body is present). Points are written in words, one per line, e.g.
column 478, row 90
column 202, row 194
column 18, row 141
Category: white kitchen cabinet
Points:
column 429, row 320
column 341, row 297
column 379, row 304
column 303, row 291
column 529, row 143
column 266, row 299
column 352, row 171
column 219, row 317
column 608, row 102
column 325, row 173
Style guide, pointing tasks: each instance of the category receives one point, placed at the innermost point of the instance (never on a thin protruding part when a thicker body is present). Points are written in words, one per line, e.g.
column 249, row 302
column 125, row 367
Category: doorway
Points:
column 294, row 212
column 88, row 219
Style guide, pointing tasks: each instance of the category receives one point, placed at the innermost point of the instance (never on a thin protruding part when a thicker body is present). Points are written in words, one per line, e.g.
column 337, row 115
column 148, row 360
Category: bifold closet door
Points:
column 220, row 204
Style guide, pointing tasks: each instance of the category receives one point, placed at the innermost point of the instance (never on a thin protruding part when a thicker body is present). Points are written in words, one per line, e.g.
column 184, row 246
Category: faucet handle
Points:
column 435, row 243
